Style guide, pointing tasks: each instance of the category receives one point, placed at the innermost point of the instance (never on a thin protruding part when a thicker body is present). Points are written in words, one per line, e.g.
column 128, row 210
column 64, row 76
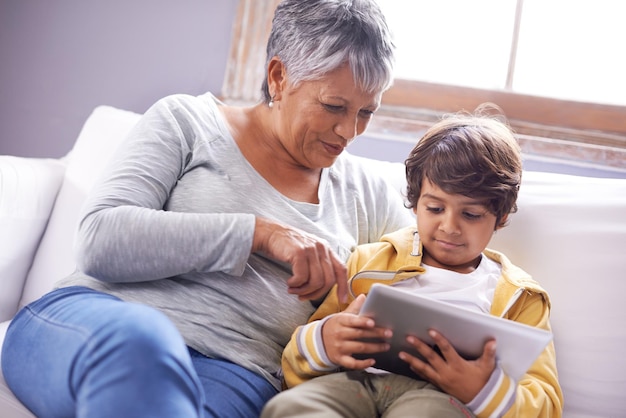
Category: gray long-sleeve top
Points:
column 171, row 223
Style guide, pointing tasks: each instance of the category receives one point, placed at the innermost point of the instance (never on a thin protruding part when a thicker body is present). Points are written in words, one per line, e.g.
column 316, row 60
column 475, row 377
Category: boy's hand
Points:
column 456, row 376
column 342, row 334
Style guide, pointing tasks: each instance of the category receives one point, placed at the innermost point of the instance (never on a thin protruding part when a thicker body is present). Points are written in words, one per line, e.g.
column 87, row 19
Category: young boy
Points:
column 463, row 179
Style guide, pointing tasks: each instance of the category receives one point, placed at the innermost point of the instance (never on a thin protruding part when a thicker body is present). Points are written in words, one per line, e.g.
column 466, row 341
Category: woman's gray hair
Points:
column 315, row 37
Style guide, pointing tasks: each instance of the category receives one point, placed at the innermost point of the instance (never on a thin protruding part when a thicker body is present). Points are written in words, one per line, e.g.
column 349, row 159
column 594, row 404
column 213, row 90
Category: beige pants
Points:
column 360, row 394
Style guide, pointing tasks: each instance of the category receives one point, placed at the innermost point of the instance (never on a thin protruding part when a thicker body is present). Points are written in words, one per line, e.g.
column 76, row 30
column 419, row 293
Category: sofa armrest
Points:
column 28, row 189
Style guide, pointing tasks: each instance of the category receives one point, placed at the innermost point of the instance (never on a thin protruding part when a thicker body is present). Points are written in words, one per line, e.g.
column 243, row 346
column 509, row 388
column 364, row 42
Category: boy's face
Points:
column 454, row 229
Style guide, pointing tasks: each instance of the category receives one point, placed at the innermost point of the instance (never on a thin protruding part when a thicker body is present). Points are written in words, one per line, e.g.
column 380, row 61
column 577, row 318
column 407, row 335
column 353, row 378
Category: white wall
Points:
column 59, row 59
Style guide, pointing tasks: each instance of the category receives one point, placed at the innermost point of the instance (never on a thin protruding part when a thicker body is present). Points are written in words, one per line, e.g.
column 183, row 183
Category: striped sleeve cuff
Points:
column 311, row 346
column 496, row 397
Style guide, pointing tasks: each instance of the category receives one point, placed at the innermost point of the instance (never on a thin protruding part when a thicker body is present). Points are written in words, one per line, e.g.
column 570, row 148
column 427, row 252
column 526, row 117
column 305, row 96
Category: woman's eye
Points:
column 332, row 108
column 366, row 113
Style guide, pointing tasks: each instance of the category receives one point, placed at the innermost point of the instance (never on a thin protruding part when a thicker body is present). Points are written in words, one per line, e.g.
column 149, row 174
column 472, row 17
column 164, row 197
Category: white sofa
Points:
column 570, row 233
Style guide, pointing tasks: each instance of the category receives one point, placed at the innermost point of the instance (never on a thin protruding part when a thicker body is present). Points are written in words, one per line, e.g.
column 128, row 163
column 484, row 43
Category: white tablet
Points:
column 518, row 345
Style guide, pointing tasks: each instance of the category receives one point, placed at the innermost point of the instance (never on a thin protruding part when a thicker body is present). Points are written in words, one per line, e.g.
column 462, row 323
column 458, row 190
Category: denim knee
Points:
column 146, row 357
column 140, row 335
column 99, row 355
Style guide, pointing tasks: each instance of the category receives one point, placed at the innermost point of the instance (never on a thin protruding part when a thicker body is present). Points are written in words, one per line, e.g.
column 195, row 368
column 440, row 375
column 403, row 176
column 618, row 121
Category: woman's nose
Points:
column 348, row 128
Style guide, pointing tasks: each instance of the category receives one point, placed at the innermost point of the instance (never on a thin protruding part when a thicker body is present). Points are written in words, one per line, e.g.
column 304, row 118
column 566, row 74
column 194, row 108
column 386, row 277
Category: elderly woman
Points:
column 213, row 233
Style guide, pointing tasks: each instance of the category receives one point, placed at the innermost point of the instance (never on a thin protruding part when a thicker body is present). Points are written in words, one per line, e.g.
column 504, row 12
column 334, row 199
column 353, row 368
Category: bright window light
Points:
column 565, row 49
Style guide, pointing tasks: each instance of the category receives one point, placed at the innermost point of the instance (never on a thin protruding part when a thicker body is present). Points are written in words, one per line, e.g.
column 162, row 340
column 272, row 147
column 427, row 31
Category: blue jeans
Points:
column 79, row 352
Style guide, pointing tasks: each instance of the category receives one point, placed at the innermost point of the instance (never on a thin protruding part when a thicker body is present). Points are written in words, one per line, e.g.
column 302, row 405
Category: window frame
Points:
column 587, row 133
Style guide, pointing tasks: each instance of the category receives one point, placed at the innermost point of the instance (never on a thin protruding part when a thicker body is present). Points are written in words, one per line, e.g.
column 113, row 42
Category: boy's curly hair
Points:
column 475, row 155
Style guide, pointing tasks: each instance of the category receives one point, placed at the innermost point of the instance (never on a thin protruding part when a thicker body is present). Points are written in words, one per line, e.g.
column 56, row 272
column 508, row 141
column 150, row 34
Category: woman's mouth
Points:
column 334, row 150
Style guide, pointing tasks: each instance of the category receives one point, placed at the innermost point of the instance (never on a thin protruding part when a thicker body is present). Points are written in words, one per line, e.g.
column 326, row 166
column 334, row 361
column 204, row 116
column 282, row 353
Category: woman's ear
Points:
column 276, row 78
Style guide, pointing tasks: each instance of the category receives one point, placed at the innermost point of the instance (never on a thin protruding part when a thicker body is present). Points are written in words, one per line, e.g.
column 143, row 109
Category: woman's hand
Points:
column 314, row 265
column 456, row 376
column 342, row 334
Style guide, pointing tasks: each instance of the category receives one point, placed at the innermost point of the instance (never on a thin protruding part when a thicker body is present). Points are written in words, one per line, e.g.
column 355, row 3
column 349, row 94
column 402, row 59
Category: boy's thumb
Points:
column 355, row 305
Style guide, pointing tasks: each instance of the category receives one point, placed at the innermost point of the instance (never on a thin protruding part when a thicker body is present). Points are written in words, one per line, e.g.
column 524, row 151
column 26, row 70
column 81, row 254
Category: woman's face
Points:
column 454, row 229
column 317, row 119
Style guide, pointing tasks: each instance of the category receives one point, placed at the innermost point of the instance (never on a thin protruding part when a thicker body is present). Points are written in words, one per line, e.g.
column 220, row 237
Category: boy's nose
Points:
column 449, row 225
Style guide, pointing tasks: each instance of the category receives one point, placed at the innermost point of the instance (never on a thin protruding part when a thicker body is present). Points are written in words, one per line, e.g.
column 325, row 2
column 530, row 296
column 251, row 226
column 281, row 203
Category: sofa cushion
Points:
column 570, row 235
column 10, row 406
column 103, row 131
column 28, row 188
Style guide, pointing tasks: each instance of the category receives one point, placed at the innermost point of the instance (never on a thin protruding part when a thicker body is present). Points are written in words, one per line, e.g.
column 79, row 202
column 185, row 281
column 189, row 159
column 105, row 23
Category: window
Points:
column 497, row 51
column 513, row 45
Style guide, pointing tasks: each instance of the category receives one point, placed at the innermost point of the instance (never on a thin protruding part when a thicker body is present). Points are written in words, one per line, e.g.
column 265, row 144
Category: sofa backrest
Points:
column 103, row 131
column 28, row 189
column 570, row 235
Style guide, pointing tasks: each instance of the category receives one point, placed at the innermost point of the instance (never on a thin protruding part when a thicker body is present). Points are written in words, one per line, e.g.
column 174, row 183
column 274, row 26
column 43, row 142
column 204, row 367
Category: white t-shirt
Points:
column 472, row 290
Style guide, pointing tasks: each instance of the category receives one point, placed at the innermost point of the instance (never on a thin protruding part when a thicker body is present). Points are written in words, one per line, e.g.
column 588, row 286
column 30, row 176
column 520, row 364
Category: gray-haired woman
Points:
column 211, row 233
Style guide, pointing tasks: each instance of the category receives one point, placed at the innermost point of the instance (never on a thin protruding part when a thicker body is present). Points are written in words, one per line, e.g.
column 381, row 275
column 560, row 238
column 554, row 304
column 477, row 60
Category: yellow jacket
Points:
column 517, row 297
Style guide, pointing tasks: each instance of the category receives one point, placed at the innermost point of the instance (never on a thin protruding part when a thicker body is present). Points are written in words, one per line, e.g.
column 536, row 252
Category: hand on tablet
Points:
column 344, row 334
column 449, row 371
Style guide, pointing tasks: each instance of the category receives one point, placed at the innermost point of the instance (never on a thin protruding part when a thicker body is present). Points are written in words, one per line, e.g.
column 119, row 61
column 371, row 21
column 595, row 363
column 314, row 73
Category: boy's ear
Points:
column 276, row 77
column 502, row 222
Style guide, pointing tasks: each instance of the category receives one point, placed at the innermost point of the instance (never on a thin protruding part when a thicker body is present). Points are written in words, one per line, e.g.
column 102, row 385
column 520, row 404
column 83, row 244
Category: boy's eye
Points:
column 434, row 209
column 471, row 216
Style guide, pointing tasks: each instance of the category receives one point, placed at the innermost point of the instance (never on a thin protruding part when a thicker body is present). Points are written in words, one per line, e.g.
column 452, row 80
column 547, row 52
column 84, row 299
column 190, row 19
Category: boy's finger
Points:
column 356, row 304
